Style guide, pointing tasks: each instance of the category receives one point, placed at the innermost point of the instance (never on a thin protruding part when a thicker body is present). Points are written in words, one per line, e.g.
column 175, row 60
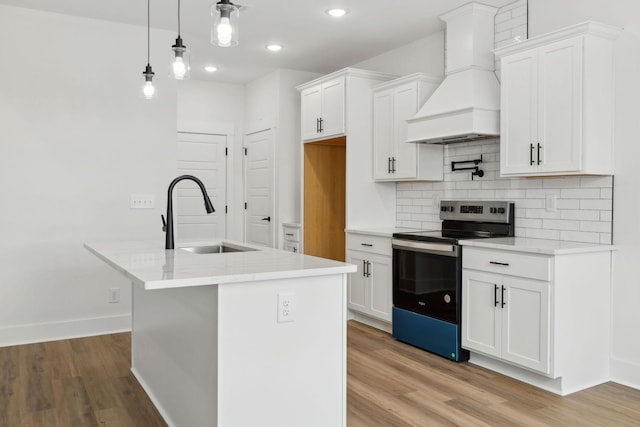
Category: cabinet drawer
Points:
column 291, row 234
column 504, row 262
column 370, row 244
column 291, row 246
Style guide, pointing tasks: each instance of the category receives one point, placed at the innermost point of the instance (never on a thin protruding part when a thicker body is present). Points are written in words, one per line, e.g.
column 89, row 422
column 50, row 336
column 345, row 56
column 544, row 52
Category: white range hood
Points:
column 466, row 106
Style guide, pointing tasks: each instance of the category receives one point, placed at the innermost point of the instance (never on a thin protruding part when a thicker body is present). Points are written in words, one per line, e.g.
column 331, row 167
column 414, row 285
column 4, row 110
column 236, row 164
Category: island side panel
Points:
column 174, row 351
column 290, row 373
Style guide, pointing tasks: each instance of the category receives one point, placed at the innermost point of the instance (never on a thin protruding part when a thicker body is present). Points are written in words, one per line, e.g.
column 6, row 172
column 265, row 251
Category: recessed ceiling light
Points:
column 336, row 13
column 274, row 47
column 210, row 69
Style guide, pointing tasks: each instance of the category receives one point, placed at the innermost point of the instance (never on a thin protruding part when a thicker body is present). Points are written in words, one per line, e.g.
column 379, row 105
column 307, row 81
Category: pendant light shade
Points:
column 180, row 57
column 225, row 24
column 149, row 91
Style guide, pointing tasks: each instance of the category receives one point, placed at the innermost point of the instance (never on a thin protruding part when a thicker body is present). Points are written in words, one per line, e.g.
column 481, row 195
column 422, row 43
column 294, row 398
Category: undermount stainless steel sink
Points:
column 217, row 249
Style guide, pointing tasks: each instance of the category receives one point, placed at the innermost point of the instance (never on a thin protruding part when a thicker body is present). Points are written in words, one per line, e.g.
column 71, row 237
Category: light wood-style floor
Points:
column 87, row 382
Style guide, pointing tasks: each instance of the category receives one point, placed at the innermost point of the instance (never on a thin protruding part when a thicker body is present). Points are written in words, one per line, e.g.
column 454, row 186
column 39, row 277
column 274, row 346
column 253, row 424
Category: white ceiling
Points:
column 312, row 40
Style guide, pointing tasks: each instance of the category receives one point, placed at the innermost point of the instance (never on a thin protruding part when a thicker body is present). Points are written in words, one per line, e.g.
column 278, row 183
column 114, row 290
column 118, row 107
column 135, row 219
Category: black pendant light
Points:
column 225, row 28
column 180, row 66
column 149, row 91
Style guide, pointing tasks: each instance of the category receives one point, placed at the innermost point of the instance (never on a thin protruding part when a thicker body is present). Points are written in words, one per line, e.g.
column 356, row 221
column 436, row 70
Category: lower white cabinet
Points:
column 369, row 291
column 507, row 317
column 291, row 237
column 539, row 313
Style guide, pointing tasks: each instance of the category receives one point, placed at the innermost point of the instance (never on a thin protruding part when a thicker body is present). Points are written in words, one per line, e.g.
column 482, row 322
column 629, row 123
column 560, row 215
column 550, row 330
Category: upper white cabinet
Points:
column 557, row 103
column 322, row 110
column 394, row 159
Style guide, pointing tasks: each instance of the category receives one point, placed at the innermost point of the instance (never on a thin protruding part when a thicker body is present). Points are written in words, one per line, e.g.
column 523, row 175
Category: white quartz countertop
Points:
column 148, row 263
column 383, row 231
column 537, row 246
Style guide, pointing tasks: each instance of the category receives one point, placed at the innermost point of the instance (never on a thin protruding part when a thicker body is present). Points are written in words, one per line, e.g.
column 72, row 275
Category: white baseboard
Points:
column 370, row 321
column 625, row 373
column 53, row 331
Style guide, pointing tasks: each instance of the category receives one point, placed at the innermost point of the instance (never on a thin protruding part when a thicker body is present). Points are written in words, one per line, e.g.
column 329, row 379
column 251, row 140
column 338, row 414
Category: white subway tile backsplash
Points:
column 581, row 193
column 579, row 215
column 560, row 224
column 539, row 233
column 606, row 216
column 583, row 204
column 596, row 204
column 597, row 226
column 580, row 236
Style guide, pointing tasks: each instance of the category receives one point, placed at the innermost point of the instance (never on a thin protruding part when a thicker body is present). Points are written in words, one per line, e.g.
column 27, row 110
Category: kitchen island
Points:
column 236, row 338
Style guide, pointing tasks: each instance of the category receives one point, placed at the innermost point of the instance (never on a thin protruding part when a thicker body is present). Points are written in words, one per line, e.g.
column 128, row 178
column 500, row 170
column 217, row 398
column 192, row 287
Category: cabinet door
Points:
column 291, row 246
column 383, row 134
column 519, row 113
column 525, row 323
column 332, row 108
column 357, row 289
column 481, row 313
column 406, row 106
column 560, row 106
column 311, row 110
column 380, row 287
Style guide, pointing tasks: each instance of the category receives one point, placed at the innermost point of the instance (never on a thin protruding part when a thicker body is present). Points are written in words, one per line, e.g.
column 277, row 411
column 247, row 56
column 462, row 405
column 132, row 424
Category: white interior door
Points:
column 259, row 182
column 203, row 156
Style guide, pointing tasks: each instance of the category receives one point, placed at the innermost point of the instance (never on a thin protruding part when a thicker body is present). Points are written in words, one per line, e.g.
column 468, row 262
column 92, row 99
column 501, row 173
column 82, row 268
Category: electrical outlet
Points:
column 142, row 201
column 114, row 295
column 286, row 307
column 550, row 202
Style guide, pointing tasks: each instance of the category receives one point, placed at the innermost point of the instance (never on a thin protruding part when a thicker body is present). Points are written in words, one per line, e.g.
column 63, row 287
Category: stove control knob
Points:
column 443, row 208
column 500, row 210
column 492, row 210
column 450, row 208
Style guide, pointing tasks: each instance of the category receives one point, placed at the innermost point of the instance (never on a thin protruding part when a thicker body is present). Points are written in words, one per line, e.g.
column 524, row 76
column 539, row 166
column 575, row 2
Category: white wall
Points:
column 219, row 106
column 425, row 55
column 626, row 232
column 76, row 141
column 272, row 102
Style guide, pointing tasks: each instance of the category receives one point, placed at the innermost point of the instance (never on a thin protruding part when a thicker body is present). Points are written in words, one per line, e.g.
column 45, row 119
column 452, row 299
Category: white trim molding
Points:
column 625, row 373
column 66, row 329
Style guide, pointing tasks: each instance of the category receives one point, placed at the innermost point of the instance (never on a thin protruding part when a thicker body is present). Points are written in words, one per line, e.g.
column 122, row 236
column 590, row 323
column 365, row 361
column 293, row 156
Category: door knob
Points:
column 267, row 219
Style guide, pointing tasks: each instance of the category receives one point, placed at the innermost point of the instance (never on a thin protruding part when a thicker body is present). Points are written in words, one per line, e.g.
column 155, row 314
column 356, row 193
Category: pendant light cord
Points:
column 178, row 18
column 148, row 32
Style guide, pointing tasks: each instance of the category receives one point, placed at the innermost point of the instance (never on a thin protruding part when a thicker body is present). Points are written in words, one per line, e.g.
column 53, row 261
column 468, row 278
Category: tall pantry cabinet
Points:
column 337, row 134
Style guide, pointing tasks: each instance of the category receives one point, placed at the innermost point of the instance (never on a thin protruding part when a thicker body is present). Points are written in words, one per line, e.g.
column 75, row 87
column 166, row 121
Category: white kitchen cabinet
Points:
column 369, row 291
column 394, row 159
column 291, row 237
column 323, row 110
column 507, row 317
column 338, row 191
column 538, row 310
column 557, row 103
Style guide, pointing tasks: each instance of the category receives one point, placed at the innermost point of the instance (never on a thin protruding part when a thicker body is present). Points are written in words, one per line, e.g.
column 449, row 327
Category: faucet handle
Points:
column 164, row 223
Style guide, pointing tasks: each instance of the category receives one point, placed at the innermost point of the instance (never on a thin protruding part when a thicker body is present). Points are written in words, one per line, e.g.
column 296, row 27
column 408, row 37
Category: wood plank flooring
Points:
column 393, row 384
column 88, row 382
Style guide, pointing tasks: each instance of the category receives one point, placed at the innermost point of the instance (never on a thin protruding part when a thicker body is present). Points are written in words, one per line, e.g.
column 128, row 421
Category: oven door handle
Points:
column 430, row 248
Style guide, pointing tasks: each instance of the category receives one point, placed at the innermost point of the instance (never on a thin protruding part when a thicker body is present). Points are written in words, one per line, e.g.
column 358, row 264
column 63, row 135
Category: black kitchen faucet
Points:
column 168, row 224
